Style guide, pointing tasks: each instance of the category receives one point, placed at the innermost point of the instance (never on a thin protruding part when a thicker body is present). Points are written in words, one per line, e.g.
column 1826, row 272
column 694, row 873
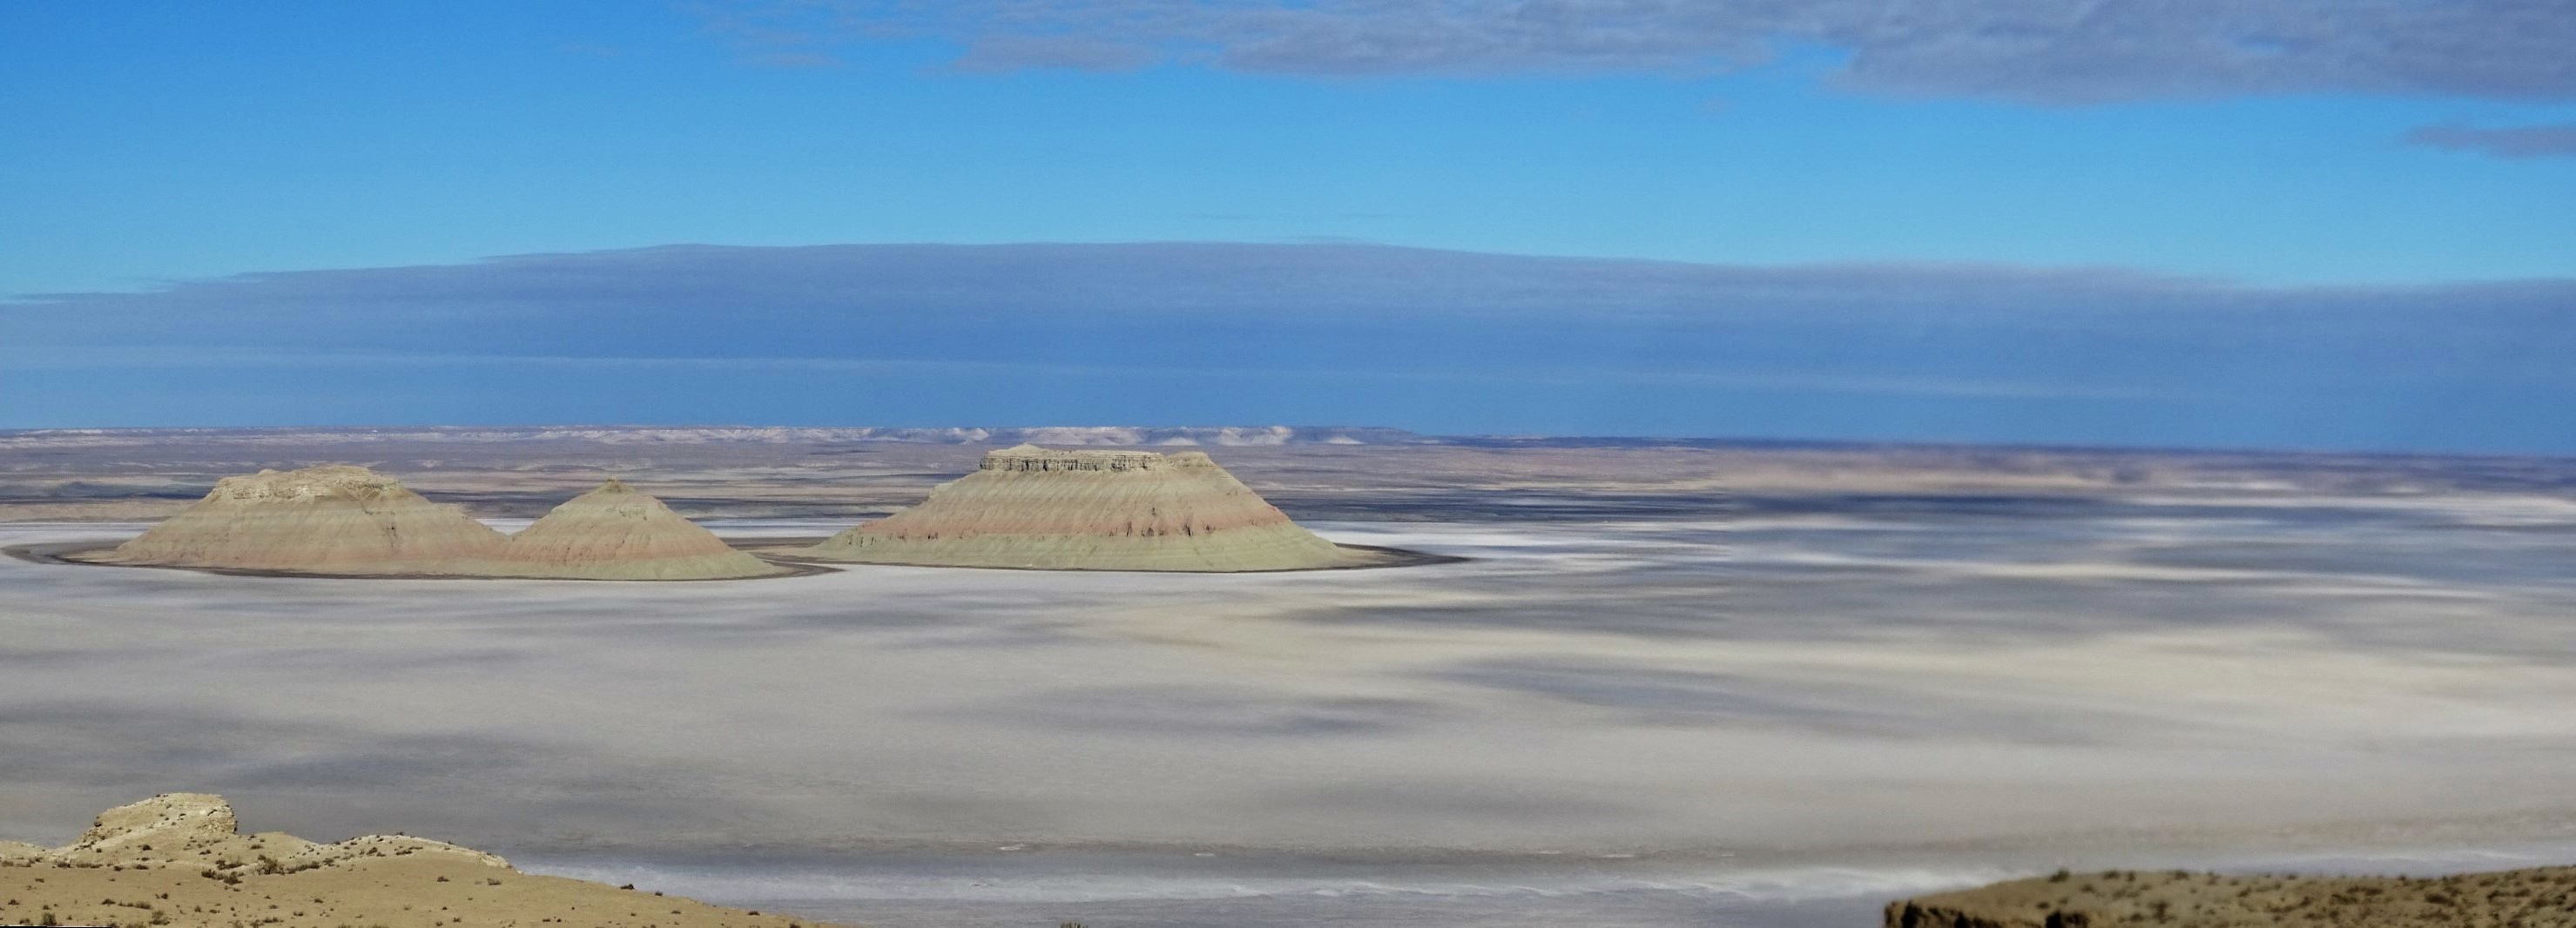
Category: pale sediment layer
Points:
column 1030, row 507
column 616, row 533
column 180, row 859
column 326, row 520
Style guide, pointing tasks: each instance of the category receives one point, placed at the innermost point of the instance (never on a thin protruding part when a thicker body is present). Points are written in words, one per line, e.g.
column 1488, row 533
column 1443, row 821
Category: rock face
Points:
column 197, row 831
column 1031, row 507
column 616, row 533
column 331, row 520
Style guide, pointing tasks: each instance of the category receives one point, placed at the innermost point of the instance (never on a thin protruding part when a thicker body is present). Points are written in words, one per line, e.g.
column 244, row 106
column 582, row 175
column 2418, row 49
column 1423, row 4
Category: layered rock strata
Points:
column 1031, row 507
column 616, row 533
column 341, row 520
column 328, row 520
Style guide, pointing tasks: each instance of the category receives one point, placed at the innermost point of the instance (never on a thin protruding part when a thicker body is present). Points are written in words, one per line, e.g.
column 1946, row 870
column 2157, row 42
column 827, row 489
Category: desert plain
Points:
column 1705, row 682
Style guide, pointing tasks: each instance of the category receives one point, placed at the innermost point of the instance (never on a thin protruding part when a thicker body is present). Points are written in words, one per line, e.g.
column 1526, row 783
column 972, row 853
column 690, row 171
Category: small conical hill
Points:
column 333, row 519
column 617, row 533
column 1031, row 507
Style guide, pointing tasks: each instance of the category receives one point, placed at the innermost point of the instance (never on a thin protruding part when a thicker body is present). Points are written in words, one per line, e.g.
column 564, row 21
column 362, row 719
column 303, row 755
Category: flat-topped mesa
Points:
column 1033, row 507
column 333, row 519
column 617, row 533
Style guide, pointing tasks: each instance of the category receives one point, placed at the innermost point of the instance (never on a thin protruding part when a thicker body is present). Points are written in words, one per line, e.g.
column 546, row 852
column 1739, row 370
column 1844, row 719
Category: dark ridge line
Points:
column 65, row 552
column 1389, row 557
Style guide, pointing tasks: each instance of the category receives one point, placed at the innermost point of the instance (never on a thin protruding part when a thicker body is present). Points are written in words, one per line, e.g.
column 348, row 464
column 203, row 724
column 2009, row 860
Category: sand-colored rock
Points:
column 2533, row 898
column 168, row 828
column 325, row 520
column 351, row 521
column 617, row 533
column 177, row 859
column 199, row 832
column 1031, row 507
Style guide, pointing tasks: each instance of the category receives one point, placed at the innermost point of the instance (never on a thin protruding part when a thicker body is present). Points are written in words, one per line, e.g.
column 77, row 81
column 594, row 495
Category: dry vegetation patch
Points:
column 2537, row 898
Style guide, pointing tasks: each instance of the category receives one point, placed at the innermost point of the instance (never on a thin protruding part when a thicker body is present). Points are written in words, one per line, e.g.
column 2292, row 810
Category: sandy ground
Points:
column 1795, row 702
column 390, row 893
column 2533, row 898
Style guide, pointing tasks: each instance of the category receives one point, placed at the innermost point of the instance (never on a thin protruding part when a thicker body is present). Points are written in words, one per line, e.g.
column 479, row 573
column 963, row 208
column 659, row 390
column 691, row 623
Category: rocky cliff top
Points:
column 329, row 481
column 1034, row 458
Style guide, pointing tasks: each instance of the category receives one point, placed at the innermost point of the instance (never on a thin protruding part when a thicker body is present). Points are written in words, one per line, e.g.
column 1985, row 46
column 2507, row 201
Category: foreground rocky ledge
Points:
column 180, row 859
column 2536, row 898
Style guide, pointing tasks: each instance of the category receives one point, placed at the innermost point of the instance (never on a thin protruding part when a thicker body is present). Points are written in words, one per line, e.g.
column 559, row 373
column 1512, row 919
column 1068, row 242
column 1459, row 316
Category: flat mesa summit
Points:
column 350, row 521
column 1031, row 507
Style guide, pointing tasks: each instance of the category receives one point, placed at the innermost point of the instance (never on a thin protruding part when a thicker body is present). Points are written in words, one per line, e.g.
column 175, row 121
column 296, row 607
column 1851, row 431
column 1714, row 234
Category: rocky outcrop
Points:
column 617, row 533
column 2209, row 900
column 198, row 831
column 178, row 859
column 1918, row 915
column 325, row 520
column 1031, row 507
column 162, row 825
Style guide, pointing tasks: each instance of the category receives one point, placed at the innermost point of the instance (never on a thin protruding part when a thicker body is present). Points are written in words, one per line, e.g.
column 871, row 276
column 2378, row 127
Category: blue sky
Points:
column 2276, row 145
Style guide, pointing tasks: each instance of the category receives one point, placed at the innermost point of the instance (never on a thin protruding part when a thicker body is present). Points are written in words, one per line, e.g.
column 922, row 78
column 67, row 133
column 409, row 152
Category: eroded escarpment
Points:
column 339, row 520
column 181, row 859
column 333, row 519
column 1025, row 507
column 1031, row 507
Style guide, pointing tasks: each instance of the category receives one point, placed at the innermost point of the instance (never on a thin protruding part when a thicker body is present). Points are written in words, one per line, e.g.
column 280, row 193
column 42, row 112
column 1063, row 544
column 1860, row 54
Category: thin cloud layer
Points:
column 2056, row 51
column 1436, row 341
column 2556, row 141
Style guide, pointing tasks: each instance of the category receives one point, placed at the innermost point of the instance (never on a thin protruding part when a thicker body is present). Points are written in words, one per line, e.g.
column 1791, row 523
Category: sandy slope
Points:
column 347, row 520
column 616, row 533
column 178, row 859
column 332, row 519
